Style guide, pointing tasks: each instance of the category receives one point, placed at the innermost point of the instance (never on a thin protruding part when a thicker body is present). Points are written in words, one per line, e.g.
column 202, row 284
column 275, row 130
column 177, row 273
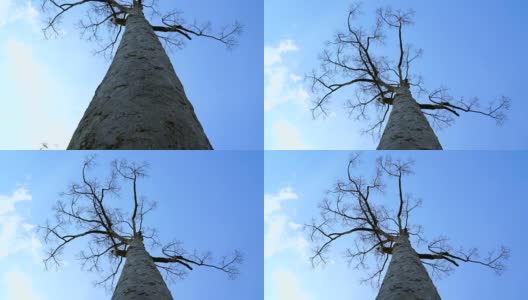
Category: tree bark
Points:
column 140, row 278
column 407, row 128
column 406, row 277
column 140, row 104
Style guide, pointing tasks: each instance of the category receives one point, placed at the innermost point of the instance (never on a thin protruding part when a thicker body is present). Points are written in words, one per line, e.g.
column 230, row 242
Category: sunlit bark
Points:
column 141, row 103
column 406, row 276
column 140, row 278
column 407, row 127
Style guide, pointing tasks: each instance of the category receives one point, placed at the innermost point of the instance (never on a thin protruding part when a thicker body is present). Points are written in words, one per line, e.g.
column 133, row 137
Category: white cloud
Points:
column 288, row 121
column 19, row 286
column 28, row 226
column 294, row 225
column 280, row 237
column 7, row 203
column 5, row 5
column 273, row 55
column 281, row 85
column 295, row 78
column 281, row 234
column 273, row 202
column 16, row 235
column 288, row 287
column 10, row 12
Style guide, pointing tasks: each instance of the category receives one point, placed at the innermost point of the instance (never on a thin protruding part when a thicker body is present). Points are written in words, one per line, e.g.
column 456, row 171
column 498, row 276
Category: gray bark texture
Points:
column 406, row 278
column 140, row 104
column 140, row 278
column 407, row 128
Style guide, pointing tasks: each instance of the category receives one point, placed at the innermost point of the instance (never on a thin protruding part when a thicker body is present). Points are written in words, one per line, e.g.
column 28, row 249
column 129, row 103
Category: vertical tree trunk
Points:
column 407, row 128
column 140, row 104
column 140, row 278
column 406, row 278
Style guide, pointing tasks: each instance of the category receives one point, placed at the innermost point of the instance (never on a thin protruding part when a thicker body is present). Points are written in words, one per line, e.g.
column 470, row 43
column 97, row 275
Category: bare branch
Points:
column 442, row 100
column 349, row 210
column 83, row 212
column 173, row 22
column 349, row 63
column 441, row 250
column 112, row 14
column 174, row 253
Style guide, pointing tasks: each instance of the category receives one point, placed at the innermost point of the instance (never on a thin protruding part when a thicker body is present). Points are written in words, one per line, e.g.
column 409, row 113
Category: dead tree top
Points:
column 173, row 29
column 85, row 213
column 349, row 210
column 350, row 60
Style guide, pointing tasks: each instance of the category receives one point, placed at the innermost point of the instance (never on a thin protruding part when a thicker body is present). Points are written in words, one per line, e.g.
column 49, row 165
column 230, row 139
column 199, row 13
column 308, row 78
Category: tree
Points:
column 116, row 235
column 384, row 85
column 383, row 231
column 141, row 103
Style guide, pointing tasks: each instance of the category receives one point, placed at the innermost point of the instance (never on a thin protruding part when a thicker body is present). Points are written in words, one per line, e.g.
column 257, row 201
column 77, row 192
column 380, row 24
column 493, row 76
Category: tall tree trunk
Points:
column 140, row 278
column 140, row 104
column 406, row 278
column 407, row 128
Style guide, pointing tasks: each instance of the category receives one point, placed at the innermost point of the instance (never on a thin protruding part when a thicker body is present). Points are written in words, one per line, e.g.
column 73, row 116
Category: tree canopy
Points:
column 353, row 58
column 171, row 26
column 353, row 208
column 87, row 211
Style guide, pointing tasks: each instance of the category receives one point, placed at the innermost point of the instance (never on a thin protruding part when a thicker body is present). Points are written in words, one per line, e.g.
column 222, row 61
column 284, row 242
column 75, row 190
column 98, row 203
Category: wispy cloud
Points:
column 273, row 55
column 281, row 85
column 288, row 121
column 16, row 235
column 7, row 203
column 11, row 12
column 281, row 233
column 273, row 202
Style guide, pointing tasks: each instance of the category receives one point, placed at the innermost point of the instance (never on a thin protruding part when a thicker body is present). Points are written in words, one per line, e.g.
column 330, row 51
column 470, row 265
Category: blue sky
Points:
column 47, row 84
column 475, row 48
column 209, row 202
column 477, row 199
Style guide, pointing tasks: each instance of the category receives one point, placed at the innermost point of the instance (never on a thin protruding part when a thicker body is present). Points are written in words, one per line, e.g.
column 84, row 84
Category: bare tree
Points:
column 383, row 231
column 382, row 83
column 116, row 235
column 141, row 103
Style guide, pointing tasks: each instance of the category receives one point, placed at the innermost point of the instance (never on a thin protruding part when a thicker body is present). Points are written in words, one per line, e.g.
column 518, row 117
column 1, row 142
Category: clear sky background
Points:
column 209, row 202
column 47, row 84
column 477, row 199
column 475, row 48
